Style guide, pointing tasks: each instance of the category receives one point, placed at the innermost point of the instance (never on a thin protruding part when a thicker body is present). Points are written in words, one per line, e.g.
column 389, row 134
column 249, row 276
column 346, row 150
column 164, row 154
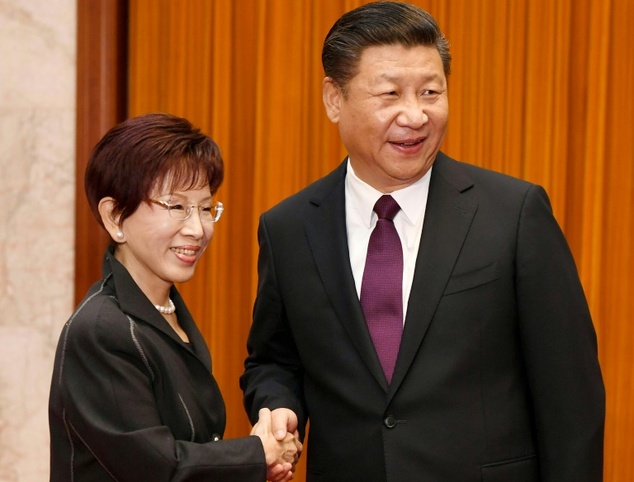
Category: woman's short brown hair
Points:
column 144, row 152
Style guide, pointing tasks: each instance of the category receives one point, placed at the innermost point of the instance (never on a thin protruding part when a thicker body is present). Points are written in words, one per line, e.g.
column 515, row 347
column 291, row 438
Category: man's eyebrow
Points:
column 393, row 78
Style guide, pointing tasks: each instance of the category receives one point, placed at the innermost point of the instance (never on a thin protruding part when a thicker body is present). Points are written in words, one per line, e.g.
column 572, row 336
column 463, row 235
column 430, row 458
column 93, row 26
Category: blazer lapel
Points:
column 448, row 218
column 326, row 232
column 134, row 303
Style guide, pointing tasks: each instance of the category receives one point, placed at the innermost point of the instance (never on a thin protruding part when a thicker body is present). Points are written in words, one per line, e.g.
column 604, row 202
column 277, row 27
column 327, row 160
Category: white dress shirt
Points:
column 361, row 219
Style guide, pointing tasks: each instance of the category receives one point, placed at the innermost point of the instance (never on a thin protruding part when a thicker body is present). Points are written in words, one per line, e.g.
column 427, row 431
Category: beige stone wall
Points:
column 37, row 178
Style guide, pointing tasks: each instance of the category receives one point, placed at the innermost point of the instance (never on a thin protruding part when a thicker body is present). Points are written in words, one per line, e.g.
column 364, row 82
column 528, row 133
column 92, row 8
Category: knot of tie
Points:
column 386, row 207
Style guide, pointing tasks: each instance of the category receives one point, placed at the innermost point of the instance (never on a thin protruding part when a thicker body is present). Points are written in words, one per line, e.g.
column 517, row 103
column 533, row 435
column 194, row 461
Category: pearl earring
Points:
column 119, row 235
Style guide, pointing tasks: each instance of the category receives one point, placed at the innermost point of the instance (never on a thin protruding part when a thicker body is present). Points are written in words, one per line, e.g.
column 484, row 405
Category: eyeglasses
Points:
column 181, row 212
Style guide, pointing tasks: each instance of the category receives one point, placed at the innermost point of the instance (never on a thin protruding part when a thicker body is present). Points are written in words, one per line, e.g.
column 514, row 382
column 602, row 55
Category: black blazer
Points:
column 131, row 402
column 497, row 377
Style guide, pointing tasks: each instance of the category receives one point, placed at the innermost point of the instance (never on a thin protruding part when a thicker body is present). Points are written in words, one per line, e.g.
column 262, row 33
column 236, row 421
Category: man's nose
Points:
column 412, row 114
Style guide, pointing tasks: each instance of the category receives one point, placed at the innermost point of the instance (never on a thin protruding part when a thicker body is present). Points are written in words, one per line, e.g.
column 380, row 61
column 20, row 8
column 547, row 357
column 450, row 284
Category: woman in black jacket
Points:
column 133, row 397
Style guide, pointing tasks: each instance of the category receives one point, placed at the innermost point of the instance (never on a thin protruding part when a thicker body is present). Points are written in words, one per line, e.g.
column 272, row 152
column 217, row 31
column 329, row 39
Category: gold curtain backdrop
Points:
column 540, row 89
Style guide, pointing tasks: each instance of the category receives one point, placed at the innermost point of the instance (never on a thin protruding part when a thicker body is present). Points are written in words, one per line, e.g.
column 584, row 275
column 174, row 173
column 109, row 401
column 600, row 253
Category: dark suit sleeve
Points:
column 103, row 395
column 273, row 374
column 560, row 349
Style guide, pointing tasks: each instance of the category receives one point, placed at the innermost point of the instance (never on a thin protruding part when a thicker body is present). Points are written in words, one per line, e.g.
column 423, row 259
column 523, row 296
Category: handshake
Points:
column 278, row 432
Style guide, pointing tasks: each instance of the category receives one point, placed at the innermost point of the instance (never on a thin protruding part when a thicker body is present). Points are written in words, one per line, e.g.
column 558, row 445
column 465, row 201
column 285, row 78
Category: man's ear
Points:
column 110, row 219
column 332, row 97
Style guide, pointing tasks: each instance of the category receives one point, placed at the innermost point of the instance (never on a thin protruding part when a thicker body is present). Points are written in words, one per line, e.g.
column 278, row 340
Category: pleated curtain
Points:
column 540, row 89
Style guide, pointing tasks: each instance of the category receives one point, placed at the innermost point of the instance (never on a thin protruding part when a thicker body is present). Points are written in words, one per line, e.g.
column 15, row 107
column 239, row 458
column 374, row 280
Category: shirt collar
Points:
column 411, row 199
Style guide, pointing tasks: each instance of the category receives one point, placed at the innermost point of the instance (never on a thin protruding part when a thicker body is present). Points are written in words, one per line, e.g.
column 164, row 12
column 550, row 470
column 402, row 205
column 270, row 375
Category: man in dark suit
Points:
column 494, row 373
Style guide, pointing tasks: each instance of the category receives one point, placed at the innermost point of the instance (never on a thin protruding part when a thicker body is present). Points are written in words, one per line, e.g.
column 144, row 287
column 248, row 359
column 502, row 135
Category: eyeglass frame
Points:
column 218, row 208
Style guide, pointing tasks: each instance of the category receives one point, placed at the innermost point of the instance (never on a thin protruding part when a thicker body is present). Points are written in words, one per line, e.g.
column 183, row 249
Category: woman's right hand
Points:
column 281, row 455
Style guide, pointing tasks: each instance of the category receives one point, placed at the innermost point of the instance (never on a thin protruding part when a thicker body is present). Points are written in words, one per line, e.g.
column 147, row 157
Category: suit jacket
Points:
column 130, row 401
column 497, row 377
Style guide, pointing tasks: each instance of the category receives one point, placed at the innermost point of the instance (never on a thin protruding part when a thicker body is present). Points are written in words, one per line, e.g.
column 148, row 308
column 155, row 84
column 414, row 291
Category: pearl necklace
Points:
column 166, row 310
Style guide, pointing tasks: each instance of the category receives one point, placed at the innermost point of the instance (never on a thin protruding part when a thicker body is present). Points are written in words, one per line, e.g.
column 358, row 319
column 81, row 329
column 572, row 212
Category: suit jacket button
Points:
column 390, row 421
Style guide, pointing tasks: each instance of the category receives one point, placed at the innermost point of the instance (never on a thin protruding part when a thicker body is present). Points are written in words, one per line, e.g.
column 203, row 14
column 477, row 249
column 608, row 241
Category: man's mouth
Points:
column 409, row 143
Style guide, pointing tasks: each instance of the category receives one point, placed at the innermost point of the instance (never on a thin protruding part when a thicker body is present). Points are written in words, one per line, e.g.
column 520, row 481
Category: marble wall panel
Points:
column 37, row 189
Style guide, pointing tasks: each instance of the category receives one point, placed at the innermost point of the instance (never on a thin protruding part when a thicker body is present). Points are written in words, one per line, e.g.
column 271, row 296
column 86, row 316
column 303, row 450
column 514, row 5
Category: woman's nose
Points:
column 194, row 224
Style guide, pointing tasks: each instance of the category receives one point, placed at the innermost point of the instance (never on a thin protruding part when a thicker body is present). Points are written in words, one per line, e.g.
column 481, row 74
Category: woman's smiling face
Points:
column 159, row 250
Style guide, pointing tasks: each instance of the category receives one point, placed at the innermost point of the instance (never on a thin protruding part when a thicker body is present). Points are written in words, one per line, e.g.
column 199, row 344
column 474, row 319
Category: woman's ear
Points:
column 332, row 97
column 110, row 219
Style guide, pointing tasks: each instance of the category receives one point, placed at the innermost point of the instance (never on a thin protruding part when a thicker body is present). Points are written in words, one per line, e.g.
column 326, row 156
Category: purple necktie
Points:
column 382, row 285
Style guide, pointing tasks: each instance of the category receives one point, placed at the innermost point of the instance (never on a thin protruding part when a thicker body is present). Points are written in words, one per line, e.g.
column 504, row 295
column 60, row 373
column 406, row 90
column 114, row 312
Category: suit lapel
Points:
column 447, row 221
column 448, row 218
column 326, row 232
